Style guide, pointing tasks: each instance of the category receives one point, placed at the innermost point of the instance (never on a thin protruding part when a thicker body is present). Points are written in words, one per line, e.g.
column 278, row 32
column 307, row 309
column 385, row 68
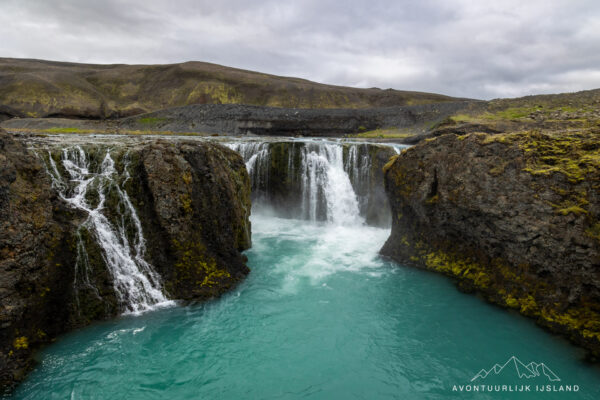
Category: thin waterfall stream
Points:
column 136, row 283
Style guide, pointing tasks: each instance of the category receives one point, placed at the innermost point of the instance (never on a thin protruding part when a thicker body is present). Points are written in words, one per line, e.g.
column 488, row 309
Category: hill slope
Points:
column 36, row 88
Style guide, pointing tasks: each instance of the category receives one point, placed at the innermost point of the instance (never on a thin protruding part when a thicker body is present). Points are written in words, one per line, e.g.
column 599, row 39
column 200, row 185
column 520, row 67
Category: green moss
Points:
column 512, row 302
column 66, row 130
column 573, row 154
column 193, row 265
column 463, row 118
column 511, row 113
column 186, row 203
column 386, row 133
column 576, row 210
column 583, row 320
column 21, row 342
column 187, row 177
column 594, row 231
column 151, row 120
column 389, row 164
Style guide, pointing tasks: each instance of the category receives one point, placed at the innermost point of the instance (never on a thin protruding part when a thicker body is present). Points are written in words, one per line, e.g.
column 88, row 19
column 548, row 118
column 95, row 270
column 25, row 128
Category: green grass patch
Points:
column 511, row 113
column 463, row 118
column 66, row 130
column 391, row 133
column 151, row 120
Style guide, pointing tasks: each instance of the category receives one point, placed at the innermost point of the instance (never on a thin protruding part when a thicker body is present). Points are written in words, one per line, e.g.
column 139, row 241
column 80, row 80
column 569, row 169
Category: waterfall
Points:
column 314, row 180
column 85, row 186
column 324, row 181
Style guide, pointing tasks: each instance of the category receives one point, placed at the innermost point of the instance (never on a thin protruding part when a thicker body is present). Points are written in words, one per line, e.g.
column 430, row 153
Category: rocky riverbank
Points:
column 193, row 203
column 514, row 217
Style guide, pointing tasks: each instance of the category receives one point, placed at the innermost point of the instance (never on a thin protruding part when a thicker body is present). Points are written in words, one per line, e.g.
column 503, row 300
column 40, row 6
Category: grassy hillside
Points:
column 566, row 111
column 35, row 88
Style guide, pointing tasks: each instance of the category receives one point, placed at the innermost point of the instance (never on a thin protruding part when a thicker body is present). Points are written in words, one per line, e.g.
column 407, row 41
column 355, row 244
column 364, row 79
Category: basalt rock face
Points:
column 513, row 217
column 195, row 207
column 193, row 202
column 35, row 277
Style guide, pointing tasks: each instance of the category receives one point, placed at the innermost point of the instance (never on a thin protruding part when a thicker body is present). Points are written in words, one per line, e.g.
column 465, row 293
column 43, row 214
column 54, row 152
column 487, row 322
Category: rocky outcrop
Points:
column 193, row 202
column 514, row 217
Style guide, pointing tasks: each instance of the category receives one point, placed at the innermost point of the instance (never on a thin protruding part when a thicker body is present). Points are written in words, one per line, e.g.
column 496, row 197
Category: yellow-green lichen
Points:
column 389, row 164
column 21, row 342
column 194, row 265
column 594, row 231
column 186, row 203
column 574, row 155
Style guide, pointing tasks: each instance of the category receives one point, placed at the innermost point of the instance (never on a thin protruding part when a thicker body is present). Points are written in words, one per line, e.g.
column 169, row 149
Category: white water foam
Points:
column 329, row 249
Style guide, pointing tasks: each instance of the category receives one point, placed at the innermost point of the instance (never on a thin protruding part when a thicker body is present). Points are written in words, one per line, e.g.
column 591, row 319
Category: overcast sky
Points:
column 480, row 49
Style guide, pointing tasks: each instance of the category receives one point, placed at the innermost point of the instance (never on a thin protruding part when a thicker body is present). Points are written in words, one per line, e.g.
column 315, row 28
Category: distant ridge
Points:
column 531, row 370
column 37, row 88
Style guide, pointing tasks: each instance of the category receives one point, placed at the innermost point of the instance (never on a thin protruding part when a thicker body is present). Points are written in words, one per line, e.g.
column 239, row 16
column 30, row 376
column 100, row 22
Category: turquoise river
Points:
column 321, row 316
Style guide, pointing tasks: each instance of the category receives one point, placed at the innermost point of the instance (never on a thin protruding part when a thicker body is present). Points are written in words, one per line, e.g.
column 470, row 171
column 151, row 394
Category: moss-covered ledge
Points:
column 513, row 217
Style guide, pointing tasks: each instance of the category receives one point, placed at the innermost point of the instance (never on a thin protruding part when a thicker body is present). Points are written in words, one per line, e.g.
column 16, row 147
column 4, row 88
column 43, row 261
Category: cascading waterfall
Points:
column 137, row 285
column 256, row 157
column 324, row 179
column 325, row 175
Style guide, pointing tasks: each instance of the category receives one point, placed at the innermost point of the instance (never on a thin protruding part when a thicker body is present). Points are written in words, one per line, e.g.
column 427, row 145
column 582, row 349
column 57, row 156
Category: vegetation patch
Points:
column 151, row 120
column 388, row 133
column 194, row 265
column 67, row 130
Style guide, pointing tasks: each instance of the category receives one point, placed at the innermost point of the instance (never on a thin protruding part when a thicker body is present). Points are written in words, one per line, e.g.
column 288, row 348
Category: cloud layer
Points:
column 464, row 48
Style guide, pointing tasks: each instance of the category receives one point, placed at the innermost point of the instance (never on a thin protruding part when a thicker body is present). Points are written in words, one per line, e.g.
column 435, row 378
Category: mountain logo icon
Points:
column 522, row 370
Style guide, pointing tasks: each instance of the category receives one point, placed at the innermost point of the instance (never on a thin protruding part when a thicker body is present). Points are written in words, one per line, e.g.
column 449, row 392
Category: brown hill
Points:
column 36, row 88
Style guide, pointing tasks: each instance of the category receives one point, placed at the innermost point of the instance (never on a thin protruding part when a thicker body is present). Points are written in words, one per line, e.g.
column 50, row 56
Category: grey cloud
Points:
column 463, row 47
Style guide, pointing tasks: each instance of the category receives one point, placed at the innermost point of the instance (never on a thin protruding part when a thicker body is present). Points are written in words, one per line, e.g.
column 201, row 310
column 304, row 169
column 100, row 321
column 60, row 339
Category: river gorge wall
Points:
column 514, row 217
column 90, row 231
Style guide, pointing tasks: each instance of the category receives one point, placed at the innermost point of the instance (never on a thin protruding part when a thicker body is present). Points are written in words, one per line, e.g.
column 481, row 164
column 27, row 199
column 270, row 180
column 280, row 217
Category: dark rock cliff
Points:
column 193, row 200
column 514, row 217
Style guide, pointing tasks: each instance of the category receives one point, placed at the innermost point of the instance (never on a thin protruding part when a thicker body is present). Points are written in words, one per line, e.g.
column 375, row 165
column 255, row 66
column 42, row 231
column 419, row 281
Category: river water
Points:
column 321, row 316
